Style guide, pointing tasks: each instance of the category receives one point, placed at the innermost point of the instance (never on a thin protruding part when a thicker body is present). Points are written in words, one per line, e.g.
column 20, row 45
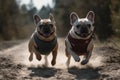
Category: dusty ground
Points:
column 14, row 65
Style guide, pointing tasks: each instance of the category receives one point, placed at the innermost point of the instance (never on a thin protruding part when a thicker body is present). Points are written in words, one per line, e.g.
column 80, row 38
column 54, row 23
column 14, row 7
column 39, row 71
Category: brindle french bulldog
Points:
column 44, row 41
column 79, row 40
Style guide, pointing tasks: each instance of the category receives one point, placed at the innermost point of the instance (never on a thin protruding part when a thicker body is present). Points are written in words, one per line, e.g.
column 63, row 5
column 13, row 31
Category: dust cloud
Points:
column 20, row 55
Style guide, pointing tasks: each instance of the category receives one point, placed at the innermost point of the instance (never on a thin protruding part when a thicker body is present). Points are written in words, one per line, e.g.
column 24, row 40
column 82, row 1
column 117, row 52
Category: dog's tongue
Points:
column 84, row 35
column 46, row 35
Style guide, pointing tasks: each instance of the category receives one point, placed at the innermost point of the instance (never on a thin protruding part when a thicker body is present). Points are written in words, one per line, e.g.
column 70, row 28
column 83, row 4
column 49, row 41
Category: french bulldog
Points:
column 44, row 40
column 79, row 40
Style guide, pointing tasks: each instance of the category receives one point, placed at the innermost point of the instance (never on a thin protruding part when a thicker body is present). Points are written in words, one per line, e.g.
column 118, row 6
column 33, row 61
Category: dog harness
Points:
column 79, row 45
column 44, row 47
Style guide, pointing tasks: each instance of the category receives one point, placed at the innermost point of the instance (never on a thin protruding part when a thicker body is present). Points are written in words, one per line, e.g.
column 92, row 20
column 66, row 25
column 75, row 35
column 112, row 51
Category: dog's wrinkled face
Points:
column 45, row 27
column 82, row 26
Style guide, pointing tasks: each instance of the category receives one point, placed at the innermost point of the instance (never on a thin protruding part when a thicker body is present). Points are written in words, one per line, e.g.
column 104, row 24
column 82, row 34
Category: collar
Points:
column 74, row 35
column 37, row 40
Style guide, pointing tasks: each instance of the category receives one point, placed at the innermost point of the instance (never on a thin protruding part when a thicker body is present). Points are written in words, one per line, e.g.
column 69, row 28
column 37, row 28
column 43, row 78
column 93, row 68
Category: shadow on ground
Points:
column 42, row 72
column 87, row 73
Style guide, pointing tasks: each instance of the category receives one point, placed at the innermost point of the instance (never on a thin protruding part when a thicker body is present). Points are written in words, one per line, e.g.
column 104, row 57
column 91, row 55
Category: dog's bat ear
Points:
column 36, row 18
column 90, row 16
column 73, row 17
column 51, row 17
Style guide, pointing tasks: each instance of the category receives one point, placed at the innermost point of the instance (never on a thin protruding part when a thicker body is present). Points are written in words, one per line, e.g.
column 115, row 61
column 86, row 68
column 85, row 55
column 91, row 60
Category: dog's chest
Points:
column 79, row 45
column 44, row 47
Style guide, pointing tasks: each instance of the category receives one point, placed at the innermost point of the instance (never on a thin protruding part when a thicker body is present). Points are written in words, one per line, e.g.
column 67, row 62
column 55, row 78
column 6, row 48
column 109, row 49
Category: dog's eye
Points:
column 78, row 26
column 89, row 25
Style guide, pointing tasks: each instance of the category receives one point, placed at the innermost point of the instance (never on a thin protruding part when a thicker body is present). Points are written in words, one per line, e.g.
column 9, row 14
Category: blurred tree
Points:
column 103, row 24
column 62, row 11
column 63, row 8
column 8, row 15
column 32, row 10
column 115, row 8
column 45, row 11
column 31, row 5
column 24, row 9
column 15, row 22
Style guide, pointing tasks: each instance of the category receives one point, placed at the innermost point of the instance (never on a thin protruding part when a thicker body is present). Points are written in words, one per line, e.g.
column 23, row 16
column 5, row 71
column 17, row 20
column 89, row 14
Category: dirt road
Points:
column 14, row 65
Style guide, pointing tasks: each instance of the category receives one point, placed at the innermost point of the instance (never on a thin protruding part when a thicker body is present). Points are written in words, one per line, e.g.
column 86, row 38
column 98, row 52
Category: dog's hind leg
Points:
column 54, row 54
column 30, row 47
column 31, row 52
column 68, row 60
column 46, row 61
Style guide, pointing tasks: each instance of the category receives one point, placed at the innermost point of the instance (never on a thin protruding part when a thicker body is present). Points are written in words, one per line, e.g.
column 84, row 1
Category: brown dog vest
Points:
column 79, row 45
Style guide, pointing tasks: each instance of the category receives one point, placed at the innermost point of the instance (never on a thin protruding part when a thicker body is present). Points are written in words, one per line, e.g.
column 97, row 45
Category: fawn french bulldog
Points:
column 44, row 40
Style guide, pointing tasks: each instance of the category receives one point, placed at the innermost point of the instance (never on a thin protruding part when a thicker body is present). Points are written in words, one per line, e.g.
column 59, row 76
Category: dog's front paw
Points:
column 77, row 59
column 53, row 62
column 38, row 57
column 84, row 62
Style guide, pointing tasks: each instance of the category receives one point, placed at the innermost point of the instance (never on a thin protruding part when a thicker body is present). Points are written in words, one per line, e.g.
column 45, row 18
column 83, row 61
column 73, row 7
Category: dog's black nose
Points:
column 46, row 30
column 84, row 30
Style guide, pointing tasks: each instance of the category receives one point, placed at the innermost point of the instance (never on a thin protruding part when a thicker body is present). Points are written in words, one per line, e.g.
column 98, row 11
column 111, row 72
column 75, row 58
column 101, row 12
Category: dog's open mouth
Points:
column 82, row 34
column 46, row 35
